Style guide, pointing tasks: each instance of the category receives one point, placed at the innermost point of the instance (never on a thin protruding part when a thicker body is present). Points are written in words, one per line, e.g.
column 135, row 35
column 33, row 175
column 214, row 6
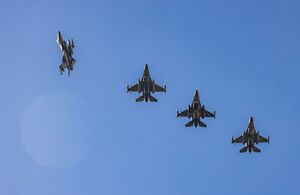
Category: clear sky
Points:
column 84, row 135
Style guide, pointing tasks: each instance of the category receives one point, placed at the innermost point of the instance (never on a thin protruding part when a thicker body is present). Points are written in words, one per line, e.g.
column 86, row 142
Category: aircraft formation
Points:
column 146, row 86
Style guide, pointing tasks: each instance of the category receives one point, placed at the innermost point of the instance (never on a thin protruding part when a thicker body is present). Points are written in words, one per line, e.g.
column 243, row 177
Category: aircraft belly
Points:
column 196, row 114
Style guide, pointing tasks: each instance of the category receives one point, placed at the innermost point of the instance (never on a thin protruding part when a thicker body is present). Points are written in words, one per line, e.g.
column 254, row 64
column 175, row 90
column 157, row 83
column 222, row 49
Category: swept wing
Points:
column 159, row 88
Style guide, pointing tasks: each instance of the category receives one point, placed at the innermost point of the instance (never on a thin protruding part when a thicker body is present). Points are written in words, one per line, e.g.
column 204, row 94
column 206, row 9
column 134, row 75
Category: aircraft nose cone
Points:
column 196, row 95
column 146, row 69
column 59, row 37
column 251, row 119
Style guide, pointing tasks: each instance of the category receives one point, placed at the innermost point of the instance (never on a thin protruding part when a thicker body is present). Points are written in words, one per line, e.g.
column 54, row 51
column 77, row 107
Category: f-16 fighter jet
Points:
column 66, row 48
column 195, row 112
column 249, row 138
column 146, row 86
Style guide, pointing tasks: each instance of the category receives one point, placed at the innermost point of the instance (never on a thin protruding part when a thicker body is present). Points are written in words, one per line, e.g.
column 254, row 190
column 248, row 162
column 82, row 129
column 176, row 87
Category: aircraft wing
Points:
column 159, row 88
column 208, row 114
column 133, row 88
column 238, row 140
column 262, row 139
column 184, row 113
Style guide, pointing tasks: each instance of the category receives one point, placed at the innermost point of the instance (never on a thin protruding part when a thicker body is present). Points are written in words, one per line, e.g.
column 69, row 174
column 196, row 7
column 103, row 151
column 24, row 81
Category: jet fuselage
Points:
column 146, row 86
column 67, row 51
column 251, row 136
column 195, row 112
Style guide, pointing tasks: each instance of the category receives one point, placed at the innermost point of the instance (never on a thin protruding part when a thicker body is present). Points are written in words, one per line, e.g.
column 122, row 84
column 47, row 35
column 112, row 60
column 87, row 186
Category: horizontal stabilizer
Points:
column 189, row 124
column 152, row 99
column 255, row 149
column 201, row 124
column 139, row 99
column 61, row 68
column 244, row 149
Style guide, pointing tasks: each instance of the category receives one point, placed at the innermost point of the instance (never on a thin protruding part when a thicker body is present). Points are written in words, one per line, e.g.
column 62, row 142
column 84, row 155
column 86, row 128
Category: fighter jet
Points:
column 195, row 112
column 66, row 48
column 146, row 86
column 249, row 138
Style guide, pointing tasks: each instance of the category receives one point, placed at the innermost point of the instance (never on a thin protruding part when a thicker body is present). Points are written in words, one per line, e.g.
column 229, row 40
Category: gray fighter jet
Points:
column 66, row 48
column 249, row 138
column 195, row 112
column 146, row 86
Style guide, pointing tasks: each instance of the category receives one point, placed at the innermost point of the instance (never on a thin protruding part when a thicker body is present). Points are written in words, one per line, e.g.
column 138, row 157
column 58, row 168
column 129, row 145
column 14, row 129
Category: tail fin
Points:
column 189, row 124
column 244, row 149
column 152, row 99
column 255, row 149
column 139, row 99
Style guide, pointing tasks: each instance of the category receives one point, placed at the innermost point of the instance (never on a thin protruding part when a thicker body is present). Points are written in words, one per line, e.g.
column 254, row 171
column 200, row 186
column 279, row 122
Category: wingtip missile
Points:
column 72, row 43
column 178, row 113
column 127, row 88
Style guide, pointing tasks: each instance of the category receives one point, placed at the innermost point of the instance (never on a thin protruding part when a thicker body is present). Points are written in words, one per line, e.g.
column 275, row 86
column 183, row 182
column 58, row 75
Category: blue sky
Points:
column 85, row 135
